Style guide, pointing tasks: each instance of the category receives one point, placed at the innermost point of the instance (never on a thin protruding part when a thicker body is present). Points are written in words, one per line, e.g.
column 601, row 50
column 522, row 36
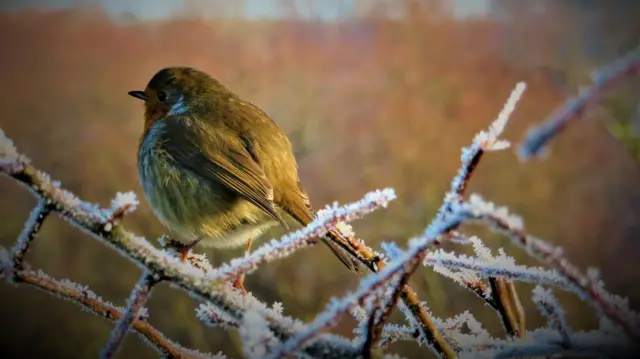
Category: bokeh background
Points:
column 373, row 94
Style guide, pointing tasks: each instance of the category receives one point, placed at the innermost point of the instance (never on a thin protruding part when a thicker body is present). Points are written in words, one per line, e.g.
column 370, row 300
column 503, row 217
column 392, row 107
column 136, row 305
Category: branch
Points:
column 29, row 233
column 549, row 343
column 138, row 297
column 89, row 301
column 588, row 285
column 374, row 286
column 503, row 295
column 538, row 137
column 377, row 322
column 550, row 308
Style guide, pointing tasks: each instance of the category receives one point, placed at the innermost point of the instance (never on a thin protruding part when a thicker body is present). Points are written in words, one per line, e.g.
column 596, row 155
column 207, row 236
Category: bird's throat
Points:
column 153, row 114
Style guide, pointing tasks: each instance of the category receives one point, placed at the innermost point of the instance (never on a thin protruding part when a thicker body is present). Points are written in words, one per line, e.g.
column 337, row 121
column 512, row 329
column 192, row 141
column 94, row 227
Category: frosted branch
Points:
column 374, row 286
column 463, row 265
column 487, row 140
column 549, row 343
column 538, row 137
column 138, row 297
column 550, row 308
column 29, row 233
column 379, row 316
column 91, row 302
column 588, row 285
column 504, row 297
column 324, row 221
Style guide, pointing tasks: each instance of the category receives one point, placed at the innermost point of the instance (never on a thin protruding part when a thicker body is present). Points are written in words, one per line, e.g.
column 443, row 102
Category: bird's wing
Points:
column 232, row 166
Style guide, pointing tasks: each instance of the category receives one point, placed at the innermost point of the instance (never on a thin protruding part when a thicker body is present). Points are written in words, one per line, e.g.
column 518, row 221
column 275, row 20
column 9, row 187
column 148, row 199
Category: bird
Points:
column 216, row 170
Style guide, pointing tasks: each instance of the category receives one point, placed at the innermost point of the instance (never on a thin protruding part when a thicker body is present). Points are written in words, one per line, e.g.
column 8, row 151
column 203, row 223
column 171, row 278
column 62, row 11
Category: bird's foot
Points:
column 239, row 284
column 183, row 249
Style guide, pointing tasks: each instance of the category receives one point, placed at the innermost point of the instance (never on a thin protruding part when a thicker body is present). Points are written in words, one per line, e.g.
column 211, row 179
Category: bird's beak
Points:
column 138, row 94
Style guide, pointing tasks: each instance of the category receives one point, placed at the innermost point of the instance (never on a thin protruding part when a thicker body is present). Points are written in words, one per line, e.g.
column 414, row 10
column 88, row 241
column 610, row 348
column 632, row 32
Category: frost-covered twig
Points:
column 589, row 285
column 374, row 286
column 380, row 316
column 545, row 342
column 370, row 286
column 29, row 233
column 325, row 220
column 483, row 141
column 504, row 297
column 420, row 317
column 89, row 301
column 138, row 297
column 538, row 137
column 461, row 265
column 550, row 308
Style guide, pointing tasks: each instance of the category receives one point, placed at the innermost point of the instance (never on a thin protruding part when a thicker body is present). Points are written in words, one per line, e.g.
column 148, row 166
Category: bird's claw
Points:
column 239, row 284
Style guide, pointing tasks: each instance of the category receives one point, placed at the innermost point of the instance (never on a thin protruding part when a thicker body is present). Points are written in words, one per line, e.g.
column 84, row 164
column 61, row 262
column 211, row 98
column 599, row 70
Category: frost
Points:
column 550, row 308
column 501, row 266
column 125, row 200
column 488, row 140
column 480, row 207
column 256, row 335
column 8, row 152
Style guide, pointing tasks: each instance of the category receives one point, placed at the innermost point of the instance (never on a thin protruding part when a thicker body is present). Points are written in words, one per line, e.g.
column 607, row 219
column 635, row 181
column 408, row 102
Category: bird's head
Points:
column 174, row 91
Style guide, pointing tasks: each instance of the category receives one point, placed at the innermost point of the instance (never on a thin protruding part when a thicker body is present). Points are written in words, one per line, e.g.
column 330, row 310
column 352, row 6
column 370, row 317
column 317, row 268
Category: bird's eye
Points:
column 162, row 96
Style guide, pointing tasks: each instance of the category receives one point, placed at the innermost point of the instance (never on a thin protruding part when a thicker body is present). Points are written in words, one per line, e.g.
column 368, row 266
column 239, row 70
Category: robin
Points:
column 215, row 168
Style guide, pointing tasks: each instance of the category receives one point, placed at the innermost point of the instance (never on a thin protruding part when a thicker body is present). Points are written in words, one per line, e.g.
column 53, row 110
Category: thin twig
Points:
column 29, row 233
column 538, row 137
column 427, row 327
column 372, row 335
column 377, row 322
column 552, row 255
column 101, row 309
column 550, row 308
column 503, row 297
column 138, row 297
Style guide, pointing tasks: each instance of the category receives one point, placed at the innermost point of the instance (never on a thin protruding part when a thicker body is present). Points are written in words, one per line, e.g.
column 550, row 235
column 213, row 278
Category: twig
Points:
column 374, row 287
column 29, row 233
column 504, row 297
column 377, row 322
column 138, row 297
column 372, row 334
column 100, row 308
column 548, row 343
column 429, row 332
column 484, row 141
column 324, row 221
column 539, row 136
column 589, row 286
column 550, row 308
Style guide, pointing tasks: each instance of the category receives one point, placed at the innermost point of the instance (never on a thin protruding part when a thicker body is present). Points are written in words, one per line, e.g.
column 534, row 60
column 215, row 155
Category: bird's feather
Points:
column 233, row 168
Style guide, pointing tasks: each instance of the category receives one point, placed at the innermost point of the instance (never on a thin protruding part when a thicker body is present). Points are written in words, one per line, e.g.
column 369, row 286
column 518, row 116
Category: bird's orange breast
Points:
column 153, row 114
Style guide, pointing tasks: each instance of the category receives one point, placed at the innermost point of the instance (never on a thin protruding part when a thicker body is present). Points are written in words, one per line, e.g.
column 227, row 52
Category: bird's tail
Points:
column 302, row 212
column 346, row 259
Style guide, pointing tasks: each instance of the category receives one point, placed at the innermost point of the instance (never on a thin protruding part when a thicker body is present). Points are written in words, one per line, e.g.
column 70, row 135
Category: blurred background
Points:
column 373, row 94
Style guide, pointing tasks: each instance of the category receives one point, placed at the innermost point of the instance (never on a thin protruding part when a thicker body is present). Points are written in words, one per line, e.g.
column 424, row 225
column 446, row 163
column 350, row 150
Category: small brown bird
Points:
column 216, row 170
